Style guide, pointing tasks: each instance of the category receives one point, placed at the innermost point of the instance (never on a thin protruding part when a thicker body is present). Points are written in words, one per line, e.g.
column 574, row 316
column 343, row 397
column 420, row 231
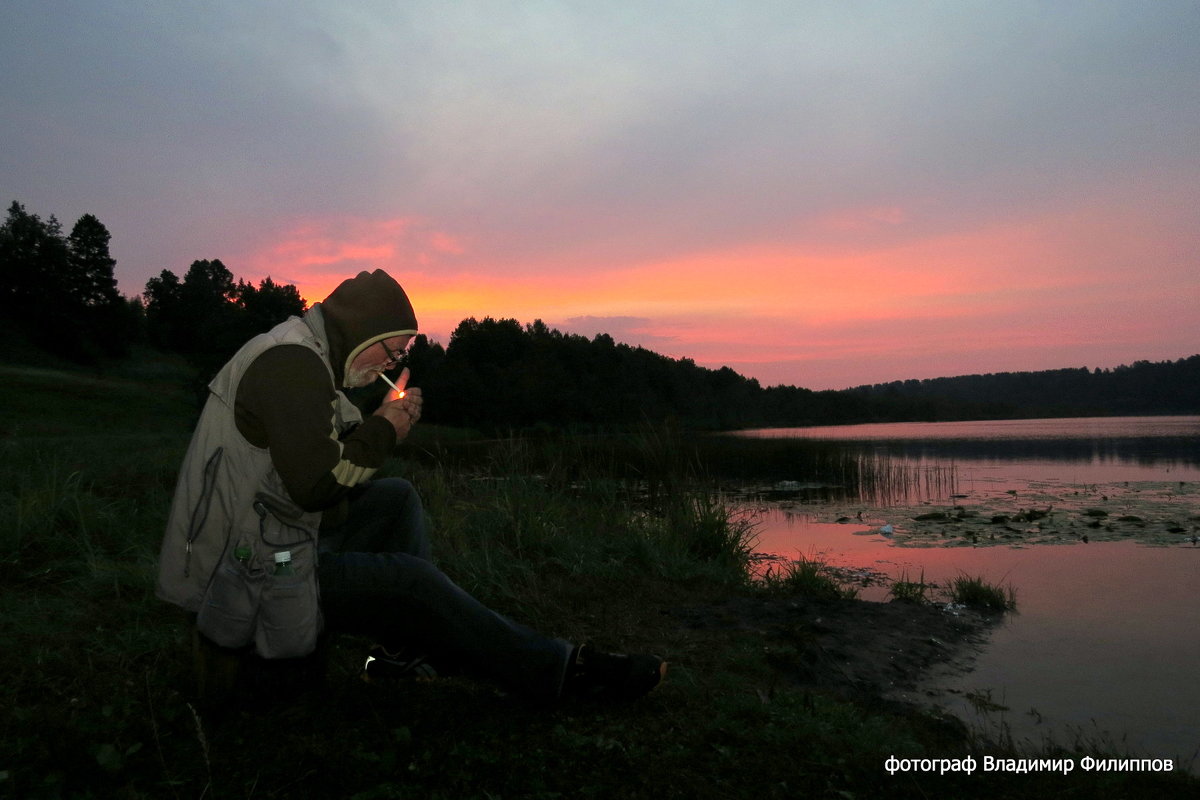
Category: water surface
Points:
column 1079, row 450
column 1105, row 644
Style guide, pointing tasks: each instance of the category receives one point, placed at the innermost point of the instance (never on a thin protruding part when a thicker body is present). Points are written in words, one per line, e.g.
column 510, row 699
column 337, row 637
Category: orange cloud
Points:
column 334, row 242
column 1014, row 289
column 316, row 255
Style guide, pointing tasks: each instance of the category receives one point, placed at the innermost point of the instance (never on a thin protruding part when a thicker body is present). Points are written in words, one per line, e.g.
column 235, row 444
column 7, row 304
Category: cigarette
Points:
column 387, row 380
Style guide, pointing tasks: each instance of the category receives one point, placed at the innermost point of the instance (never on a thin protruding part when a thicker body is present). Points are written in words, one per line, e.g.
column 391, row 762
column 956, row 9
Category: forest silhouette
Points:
column 58, row 292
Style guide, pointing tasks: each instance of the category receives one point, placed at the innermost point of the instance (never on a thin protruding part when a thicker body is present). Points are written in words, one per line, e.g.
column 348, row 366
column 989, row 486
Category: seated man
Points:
column 277, row 529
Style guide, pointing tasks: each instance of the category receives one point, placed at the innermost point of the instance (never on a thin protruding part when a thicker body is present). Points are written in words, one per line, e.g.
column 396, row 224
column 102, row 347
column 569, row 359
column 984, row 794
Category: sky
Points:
column 818, row 194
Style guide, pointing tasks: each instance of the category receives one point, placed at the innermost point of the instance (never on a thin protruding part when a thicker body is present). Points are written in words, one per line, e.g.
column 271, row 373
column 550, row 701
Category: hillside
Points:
column 1142, row 388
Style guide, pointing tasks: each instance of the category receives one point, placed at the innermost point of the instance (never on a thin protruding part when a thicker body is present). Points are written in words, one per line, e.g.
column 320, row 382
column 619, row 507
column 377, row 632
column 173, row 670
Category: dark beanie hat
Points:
column 363, row 310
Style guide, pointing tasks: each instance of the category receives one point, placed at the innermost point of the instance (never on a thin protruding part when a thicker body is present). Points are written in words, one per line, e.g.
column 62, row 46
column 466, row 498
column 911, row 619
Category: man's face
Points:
column 368, row 364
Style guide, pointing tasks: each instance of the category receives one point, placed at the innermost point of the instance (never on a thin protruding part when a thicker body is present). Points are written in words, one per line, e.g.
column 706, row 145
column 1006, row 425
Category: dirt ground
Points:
column 850, row 647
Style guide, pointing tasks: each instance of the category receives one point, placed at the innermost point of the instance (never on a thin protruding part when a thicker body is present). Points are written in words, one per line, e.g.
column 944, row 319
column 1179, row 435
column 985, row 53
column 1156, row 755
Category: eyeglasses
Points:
column 394, row 358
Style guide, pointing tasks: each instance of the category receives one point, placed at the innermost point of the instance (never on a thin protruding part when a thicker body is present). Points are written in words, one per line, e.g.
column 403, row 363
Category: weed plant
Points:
column 806, row 577
column 906, row 591
column 978, row 593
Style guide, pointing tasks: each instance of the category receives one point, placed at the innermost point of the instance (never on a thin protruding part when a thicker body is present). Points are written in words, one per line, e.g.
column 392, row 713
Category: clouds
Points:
column 690, row 172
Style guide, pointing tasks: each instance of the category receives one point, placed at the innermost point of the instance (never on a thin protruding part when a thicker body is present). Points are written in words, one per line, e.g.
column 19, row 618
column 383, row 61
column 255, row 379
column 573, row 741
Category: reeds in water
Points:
column 907, row 591
column 886, row 481
column 978, row 593
column 806, row 577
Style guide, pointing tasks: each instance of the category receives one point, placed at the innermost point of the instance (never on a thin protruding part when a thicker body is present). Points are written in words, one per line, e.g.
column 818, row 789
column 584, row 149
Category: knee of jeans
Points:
column 398, row 489
column 390, row 485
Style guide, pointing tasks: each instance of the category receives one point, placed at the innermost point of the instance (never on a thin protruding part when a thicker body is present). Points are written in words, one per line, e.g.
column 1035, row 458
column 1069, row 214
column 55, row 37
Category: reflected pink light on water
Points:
column 1100, row 427
column 989, row 477
column 913, row 462
column 1104, row 638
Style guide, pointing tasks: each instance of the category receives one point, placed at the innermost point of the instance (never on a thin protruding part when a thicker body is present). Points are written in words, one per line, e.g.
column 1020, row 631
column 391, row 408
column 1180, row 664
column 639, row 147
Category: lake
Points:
column 1092, row 521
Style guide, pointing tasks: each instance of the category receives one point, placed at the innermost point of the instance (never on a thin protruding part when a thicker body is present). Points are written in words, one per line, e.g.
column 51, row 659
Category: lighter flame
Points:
column 397, row 389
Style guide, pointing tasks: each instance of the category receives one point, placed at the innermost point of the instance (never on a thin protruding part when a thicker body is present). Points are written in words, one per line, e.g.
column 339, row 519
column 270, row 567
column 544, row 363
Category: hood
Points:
column 361, row 311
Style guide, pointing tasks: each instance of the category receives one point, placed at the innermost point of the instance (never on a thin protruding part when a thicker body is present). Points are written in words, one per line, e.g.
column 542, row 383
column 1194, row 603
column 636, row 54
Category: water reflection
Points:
column 1089, row 450
column 1104, row 643
column 999, row 430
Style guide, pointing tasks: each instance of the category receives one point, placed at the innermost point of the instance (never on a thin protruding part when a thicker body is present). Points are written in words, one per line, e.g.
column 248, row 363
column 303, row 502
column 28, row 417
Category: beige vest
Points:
column 230, row 500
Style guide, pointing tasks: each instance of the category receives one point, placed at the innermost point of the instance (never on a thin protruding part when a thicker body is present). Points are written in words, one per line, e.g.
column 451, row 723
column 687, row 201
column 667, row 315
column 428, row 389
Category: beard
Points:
column 357, row 378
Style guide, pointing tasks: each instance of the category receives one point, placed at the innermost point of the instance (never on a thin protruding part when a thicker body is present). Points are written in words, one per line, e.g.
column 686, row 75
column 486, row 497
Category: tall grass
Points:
column 806, row 577
column 908, row 591
column 82, row 637
column 827, row 471
column 526, row 509
column 975, row 592
column 886, row 481
column 87, row 507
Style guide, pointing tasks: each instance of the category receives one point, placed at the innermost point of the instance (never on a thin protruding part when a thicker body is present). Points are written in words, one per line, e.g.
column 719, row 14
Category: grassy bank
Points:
column 577, row 540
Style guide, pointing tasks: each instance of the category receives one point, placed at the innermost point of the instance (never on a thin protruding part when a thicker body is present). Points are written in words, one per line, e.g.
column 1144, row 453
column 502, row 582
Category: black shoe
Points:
column 383, row 665
column 593, row 674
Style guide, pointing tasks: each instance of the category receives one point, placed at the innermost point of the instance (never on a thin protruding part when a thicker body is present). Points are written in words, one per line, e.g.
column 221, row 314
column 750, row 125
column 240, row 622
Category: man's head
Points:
column 379, row 357
column 369, row 321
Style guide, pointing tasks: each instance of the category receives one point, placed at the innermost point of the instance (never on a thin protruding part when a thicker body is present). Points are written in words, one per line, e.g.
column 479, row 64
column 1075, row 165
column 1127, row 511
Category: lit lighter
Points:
column 387, row 380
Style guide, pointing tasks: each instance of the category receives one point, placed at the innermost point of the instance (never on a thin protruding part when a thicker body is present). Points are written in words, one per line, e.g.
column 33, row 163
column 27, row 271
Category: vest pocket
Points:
column 289, row 617
column 228, row 612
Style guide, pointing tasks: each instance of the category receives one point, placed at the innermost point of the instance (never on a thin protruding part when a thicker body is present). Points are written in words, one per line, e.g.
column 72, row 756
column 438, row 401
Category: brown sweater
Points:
column 284, row 404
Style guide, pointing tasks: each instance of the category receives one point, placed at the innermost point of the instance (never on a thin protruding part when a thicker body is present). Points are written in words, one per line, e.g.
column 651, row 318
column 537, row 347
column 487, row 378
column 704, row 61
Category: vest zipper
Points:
column 200, row 512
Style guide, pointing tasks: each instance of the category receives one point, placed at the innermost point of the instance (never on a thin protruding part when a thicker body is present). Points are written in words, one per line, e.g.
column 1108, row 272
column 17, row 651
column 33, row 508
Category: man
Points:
column 277, row 528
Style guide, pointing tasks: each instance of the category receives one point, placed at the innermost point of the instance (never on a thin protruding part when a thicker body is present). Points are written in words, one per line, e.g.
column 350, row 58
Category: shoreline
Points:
column 1157, row 515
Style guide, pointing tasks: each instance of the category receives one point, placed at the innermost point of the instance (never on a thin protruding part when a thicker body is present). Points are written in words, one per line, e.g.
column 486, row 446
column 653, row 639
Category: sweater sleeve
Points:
column 285, row 403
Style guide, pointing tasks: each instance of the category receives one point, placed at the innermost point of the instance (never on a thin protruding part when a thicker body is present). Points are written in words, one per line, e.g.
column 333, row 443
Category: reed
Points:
column 975, row 592
column 806, row 577
column 906, row 591
column 885, row 481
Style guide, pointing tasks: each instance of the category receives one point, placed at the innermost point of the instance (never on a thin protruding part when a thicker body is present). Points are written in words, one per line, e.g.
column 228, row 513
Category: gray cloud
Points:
column 566, row 137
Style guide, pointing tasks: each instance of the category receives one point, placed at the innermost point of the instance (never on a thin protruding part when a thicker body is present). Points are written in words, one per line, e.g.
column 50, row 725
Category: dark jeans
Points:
column 377, row 579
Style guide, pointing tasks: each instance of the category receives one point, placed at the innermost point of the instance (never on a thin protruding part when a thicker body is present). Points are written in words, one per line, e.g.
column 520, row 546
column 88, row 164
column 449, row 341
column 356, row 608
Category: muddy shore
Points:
column 853, row 648
column 893, row 650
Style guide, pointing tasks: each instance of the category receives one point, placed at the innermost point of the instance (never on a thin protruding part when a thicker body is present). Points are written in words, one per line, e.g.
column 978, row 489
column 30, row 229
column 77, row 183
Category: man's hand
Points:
column 402, row 412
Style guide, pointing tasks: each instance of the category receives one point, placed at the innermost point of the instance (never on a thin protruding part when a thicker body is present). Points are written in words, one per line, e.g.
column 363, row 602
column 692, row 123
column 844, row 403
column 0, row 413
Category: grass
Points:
column 98, row 700
column 906, row 591
column 806, row 577
column 979, row 594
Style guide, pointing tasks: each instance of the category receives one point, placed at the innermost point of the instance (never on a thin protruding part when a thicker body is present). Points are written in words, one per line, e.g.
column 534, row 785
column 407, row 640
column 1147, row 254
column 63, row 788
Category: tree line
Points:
column 497, row 374
column 206, row 316
column 58, row 288
column 59, row 292
column 1144, row 387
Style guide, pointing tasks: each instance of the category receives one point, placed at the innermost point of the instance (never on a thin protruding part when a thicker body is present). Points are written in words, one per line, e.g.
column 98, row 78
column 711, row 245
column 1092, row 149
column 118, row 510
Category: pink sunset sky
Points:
column 821, row 194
